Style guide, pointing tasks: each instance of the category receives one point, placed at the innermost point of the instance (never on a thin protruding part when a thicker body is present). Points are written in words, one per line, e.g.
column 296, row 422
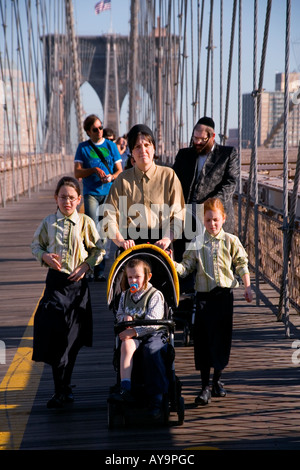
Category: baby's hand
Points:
column 127, row 318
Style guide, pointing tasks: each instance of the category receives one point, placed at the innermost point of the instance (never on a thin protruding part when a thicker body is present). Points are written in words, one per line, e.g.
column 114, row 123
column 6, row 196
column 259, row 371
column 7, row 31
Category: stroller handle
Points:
column 170, row 324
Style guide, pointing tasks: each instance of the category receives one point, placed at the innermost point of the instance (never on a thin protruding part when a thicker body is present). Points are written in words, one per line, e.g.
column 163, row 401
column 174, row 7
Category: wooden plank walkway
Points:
column 261, row 410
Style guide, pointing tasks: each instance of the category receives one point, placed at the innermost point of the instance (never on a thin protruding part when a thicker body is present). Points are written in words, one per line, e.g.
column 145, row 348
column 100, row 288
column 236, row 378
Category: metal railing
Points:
column 271, row 252
column 28, row 173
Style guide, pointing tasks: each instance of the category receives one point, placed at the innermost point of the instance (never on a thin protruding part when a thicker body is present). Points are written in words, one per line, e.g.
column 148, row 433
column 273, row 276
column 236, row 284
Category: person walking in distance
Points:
column 97, row 163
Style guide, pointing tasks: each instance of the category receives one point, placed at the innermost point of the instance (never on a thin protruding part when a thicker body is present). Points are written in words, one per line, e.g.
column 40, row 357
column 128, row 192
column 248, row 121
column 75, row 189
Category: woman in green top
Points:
column 68, row 243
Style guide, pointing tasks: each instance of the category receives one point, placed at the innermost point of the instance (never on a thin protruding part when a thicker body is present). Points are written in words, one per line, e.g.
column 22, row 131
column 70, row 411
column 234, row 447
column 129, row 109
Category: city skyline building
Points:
column 271, row 111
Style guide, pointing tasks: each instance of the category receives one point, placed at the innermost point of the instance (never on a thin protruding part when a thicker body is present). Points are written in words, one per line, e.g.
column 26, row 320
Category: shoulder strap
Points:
column 99, row 155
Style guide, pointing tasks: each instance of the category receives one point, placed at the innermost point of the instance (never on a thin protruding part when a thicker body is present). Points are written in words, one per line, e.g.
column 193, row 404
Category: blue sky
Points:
column 87, row 22
column 118, row 18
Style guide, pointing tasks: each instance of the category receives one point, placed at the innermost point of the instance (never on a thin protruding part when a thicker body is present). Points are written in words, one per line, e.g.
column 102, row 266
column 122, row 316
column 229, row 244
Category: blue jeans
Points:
column 91, row 208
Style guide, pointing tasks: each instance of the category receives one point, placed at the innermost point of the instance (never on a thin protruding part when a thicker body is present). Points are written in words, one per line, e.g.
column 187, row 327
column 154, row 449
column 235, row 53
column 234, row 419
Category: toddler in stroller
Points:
column 144, row 353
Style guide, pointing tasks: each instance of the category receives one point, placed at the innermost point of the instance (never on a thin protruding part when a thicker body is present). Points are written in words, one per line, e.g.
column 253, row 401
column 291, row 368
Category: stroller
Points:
column 165, row 279
column 184, row 317
column 184, row 313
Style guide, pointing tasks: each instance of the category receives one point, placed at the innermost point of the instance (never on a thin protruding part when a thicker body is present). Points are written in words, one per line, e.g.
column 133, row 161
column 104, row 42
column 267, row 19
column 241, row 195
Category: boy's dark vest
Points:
column 137, row 309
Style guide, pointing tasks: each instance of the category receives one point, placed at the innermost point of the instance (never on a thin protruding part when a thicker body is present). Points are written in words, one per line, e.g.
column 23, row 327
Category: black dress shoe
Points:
column 204, row 397
column 56, row 401
column 218, row 390
column 123, row 395
column 69, row 396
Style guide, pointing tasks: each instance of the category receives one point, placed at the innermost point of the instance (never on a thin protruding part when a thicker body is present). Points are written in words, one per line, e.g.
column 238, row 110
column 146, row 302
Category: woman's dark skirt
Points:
column 213, row 329
column 63, row 319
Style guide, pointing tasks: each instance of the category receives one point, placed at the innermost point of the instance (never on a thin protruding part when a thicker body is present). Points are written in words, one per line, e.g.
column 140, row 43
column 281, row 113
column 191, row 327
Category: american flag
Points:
column 101, row 6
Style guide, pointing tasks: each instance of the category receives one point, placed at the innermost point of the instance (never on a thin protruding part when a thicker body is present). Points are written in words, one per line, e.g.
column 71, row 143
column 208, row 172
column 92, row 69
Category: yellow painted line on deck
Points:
column 17, row 392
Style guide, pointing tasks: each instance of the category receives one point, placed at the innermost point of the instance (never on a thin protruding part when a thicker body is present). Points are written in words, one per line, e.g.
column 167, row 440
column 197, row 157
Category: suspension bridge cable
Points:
column 184, row 56
column 255, row 182
column 285, row 300
column 240, row 120
column 197, row 92
column 229, row 69
column 221, row 66
column 263, row 56
column 208, row 55
column 257, row 94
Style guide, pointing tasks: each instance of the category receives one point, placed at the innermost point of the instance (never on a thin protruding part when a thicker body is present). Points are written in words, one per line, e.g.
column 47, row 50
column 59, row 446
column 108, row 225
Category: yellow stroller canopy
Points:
column 164, row 275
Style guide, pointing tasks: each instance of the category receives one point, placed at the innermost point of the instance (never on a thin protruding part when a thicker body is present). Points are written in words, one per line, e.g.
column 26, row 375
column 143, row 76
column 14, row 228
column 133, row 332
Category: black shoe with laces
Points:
column 69, row 396
column 56, row 401
column 123, row 395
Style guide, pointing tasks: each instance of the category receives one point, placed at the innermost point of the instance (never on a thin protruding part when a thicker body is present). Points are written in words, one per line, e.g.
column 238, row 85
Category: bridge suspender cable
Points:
column 285, row 272
column 74, row 64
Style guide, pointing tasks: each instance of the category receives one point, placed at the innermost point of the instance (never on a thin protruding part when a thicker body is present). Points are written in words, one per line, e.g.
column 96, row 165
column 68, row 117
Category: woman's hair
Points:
column 68, row 181
column 136, row 131
column 89, row 121
column 213, row 204
column 132, row 263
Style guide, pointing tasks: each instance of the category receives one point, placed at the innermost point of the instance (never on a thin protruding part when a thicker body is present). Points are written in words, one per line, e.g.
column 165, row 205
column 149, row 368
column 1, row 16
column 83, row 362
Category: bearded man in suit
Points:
column 207, row 169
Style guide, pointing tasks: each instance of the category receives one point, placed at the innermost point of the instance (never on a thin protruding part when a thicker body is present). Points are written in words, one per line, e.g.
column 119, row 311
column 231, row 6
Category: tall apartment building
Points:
column 272, row 108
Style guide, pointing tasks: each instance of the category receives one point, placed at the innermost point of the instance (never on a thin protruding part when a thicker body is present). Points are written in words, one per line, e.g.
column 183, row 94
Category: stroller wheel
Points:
column 186, row 336
column 166, row 409
column 115, row 417
column 180, row 411
column 111, row 414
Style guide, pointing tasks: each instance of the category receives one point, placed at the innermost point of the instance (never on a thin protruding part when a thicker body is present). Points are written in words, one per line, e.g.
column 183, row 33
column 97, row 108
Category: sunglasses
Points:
column 96, row 129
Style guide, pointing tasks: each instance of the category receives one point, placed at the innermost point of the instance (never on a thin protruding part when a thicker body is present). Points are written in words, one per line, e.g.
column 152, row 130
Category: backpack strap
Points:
column 99, row 153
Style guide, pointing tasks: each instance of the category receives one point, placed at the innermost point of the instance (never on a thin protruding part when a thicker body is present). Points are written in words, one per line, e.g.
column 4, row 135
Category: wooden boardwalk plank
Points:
column 261, row 410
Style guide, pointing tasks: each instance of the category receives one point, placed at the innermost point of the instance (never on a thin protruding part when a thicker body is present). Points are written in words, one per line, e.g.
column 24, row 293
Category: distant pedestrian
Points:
column 109, row 134
column 214, row 259
column 98, row 163
column 68, row 243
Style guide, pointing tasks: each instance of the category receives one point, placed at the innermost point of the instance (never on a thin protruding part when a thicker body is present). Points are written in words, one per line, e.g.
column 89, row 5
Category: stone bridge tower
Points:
column 103, row 64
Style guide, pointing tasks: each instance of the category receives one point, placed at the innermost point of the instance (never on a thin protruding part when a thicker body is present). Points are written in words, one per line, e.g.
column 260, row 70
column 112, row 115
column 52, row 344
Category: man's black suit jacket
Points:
column 218, row 178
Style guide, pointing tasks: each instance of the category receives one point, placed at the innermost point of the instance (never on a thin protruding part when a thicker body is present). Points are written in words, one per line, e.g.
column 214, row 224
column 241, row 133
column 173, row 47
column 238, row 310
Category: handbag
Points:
column 100, row 155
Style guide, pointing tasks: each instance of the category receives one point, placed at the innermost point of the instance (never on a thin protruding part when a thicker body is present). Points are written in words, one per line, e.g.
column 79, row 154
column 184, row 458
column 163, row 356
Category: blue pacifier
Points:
column 133, row 288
